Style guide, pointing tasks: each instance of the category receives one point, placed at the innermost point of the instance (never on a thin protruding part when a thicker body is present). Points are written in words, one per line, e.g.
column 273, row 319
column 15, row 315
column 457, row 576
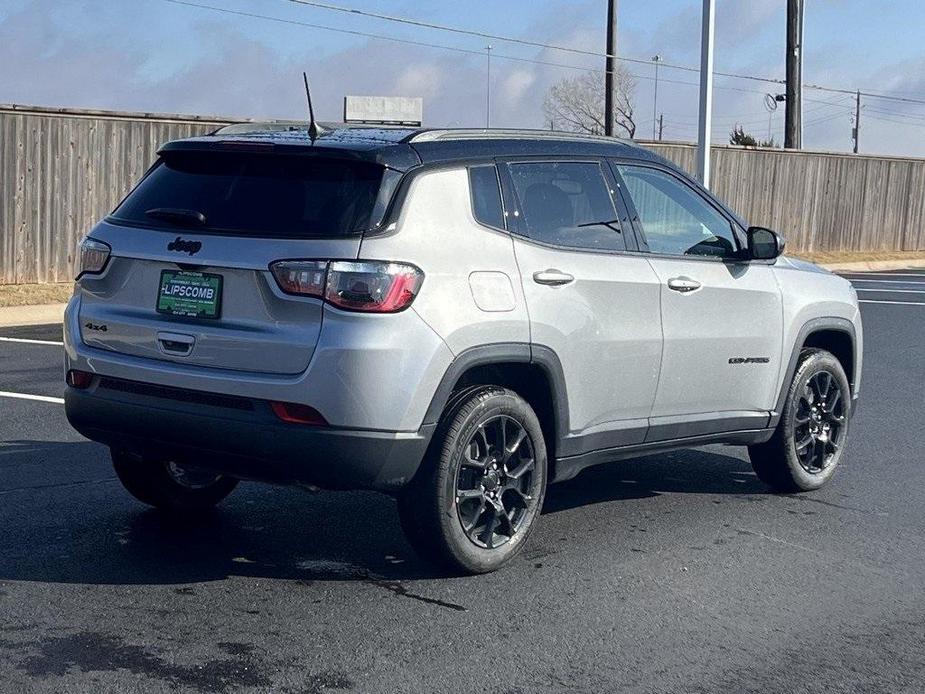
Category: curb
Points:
column 875, row 265
column 31, row 315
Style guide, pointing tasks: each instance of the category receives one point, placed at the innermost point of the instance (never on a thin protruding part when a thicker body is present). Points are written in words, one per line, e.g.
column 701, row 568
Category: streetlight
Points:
column 770, row 103
column 656, row 59
column 488, row 88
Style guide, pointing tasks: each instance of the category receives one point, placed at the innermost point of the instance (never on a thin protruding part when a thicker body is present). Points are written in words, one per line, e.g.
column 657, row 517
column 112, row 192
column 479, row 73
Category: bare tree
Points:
column 577, row 103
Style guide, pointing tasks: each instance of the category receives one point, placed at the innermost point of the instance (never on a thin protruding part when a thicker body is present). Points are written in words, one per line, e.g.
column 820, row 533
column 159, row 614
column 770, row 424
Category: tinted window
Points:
column 486, row 196
column 567, row 204
column 675, row 218
column 259, row 195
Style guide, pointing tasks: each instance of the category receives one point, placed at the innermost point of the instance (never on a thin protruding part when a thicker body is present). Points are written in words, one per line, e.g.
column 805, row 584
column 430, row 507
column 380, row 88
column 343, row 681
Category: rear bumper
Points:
column 243, row 438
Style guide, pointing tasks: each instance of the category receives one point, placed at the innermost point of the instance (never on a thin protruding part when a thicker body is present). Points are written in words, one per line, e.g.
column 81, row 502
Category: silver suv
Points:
column 456, row 318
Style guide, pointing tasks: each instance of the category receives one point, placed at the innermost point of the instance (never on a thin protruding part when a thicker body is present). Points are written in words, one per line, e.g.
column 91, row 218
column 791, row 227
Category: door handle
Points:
column 552, row 277
column 683, row 284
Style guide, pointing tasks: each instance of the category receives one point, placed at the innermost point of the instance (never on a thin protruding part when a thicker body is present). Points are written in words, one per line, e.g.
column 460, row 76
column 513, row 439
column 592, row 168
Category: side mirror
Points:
column 764, row 244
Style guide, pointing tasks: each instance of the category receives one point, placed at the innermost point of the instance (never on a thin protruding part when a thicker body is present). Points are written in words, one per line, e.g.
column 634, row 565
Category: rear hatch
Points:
column 188, row 279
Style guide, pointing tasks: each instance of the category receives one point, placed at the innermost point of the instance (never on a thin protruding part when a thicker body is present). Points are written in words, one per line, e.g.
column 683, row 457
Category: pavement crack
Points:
column 798, row 497
column 401, row 590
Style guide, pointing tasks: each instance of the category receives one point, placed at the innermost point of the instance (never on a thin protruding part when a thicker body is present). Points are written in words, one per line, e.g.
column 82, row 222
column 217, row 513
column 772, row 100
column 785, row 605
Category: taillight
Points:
column 368, row 286
column 376, row 287
column 92, row 256
column 78, row 379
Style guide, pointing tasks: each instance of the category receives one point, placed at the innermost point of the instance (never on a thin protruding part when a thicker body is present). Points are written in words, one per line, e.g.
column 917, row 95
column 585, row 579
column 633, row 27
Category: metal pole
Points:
column 657, row 59
column 488, row 89
column 706, row 92
column 793, row 127
column 661, row 125
column 610, row 66
column 857, row 121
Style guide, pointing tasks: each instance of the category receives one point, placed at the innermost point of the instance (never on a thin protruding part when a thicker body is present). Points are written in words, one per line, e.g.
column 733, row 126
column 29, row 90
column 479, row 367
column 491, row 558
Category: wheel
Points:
column 810, row 438
column 168, row 485
column 481, row 487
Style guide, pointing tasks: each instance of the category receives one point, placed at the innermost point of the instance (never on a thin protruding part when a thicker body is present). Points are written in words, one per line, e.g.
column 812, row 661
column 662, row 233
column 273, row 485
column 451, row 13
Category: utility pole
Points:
column 793, row 126
column 610, row 66
column 857, row 121
column 661, row 125
column 706, row 92
column 488, row 88
column 656, row 59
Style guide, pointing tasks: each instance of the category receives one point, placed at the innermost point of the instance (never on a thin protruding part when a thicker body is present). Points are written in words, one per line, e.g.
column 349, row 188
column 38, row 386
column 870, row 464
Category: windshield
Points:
column 256, row 195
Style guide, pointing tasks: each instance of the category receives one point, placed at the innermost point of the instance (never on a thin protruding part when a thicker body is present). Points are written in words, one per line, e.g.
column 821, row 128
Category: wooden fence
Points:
column 61, row 170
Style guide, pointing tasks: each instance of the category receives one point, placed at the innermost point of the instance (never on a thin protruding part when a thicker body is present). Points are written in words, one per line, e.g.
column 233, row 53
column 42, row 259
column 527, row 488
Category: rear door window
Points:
column 257, row 195
column 567, row 204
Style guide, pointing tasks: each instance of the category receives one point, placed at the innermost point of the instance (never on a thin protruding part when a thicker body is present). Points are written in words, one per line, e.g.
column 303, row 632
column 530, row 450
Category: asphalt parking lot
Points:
column 670, row 573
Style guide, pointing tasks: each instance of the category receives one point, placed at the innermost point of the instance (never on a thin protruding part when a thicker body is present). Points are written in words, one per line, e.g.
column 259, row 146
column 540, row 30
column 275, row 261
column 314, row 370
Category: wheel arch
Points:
column 533, row 372
column 833, row 334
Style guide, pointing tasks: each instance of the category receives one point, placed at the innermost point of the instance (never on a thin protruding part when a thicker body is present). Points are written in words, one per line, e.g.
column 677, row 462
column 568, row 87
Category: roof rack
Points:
column 509, row 134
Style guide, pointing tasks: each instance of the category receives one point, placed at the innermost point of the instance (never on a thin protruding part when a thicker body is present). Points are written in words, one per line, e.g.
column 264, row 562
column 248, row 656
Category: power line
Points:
column 826, row 119
column 511, row 39
column 580, row 51
column 438, row 46
column 898, row 114
column 897, row 122
column 532, row 61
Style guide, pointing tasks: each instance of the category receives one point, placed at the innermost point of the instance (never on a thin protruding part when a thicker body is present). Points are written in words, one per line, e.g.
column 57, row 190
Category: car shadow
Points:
column 694, row 471
column 68, row 520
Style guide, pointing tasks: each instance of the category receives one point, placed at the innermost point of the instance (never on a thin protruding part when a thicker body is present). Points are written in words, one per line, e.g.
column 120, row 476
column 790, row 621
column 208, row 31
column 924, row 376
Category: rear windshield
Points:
column 257, row 195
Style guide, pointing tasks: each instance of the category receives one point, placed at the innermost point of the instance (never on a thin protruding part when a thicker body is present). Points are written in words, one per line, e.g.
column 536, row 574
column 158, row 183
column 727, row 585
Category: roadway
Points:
column 671, row 573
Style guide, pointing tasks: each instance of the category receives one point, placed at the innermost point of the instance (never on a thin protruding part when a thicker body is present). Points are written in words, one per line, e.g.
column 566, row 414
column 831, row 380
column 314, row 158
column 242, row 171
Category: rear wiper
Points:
column 180, row 217
column 610, row 223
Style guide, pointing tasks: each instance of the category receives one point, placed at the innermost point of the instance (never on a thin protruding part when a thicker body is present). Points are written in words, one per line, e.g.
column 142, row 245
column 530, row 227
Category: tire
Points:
column 168, row 486
column 472, row 507
column 808, row 443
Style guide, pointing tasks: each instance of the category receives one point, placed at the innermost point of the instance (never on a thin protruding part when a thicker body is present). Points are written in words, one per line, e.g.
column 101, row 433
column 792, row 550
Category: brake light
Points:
column 367, row 286
column 78, row 379
column 92, row 256
column 295, row 413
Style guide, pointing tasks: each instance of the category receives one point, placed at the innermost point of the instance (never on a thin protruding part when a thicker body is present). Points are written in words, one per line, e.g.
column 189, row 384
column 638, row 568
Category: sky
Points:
column 161, row 56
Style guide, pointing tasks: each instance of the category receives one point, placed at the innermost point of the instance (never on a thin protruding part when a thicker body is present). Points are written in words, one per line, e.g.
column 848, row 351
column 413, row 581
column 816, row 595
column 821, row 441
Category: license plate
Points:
column 189, row 294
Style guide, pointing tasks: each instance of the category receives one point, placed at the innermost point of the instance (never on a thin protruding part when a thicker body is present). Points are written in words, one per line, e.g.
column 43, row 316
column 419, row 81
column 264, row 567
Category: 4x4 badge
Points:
column 181, row 246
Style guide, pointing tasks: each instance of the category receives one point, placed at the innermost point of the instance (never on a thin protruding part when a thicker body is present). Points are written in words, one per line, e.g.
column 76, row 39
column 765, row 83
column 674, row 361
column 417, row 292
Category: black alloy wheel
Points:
column 819, row 421
column 494, row 482
column 812, row 432
column 479, row 491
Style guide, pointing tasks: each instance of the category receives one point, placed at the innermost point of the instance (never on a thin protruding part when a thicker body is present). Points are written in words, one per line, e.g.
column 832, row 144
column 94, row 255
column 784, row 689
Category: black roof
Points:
column 404, row 148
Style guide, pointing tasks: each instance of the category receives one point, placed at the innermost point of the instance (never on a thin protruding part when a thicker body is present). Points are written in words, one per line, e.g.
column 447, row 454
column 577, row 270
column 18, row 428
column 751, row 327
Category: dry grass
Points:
column 34, row 294
column 859, row 256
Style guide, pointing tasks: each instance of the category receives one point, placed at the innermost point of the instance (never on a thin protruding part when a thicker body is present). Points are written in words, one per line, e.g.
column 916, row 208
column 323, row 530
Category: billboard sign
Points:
column 384, row 110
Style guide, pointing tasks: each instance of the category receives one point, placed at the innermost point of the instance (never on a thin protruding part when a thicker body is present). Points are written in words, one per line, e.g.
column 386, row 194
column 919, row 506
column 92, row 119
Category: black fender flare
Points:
column 812, row 326
column 505, row 353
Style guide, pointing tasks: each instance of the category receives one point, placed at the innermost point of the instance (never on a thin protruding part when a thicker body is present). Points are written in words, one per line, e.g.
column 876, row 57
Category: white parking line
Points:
column 887, row 281
column 28, row 341
column 26, row 396
column 901, row 303
column 884, row 274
